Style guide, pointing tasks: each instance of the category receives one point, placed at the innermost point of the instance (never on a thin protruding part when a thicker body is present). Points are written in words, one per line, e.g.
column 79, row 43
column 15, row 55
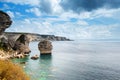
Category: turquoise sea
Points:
column 71, row 60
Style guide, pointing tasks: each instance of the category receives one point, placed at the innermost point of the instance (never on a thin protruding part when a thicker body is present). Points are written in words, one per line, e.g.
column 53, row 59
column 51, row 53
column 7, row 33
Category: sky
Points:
column 74, row 19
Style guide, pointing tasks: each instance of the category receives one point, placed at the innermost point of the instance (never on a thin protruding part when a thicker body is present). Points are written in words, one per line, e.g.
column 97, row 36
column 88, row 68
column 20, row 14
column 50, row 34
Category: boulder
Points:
column 22, row 62
column 45, row 47
column 35, row 57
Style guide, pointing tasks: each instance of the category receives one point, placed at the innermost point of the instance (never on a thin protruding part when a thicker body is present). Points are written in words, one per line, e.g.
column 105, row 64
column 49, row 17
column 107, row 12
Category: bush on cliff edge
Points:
column 10, row 71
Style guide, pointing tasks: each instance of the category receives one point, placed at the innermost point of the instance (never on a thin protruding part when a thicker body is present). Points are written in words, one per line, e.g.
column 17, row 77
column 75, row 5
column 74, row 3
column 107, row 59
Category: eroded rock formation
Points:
column 22, row 45
column 45, row 47
column 5, row 21
column 19, row 47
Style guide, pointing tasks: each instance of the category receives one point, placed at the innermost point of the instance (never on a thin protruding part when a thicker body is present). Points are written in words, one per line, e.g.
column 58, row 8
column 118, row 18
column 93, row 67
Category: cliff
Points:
column 36, row 37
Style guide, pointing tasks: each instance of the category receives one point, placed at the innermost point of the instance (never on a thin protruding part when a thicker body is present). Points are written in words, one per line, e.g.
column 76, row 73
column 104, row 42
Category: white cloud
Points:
column 18, row 14
column 57, row 9
column 100, row 31
column 68, row 15
column 34, row 10
column 27, row 21
column 82, row 23
column 111, row 13
column 11, row 14
column 73, row 31
column 81, row 29
column 76, row 30
column 84, row 15
column 102, row 12
column 69, row 30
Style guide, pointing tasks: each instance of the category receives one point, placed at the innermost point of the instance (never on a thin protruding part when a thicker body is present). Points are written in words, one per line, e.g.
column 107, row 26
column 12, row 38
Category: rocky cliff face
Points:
column 22, row 45
column 17, row 46
column 5, row 21
column 36, row 37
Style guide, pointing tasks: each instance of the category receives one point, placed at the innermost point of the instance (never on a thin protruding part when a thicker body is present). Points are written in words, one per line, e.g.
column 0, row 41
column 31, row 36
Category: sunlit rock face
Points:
column 45, row 47
column 22, row 45
column 5, row 21
column 4, row 44
column 19, row 46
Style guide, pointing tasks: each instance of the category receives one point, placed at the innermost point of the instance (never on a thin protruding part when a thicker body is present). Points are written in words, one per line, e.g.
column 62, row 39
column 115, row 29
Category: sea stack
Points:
column 45, row 47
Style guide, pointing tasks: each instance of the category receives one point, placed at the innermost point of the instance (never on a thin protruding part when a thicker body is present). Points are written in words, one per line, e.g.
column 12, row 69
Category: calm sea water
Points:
column 75, row 61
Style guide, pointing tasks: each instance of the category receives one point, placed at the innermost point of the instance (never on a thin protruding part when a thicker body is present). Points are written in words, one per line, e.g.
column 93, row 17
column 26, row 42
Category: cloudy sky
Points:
column 74, row 19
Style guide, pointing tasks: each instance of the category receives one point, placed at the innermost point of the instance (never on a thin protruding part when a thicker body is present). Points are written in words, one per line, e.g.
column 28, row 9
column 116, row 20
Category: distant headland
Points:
column 36, row 37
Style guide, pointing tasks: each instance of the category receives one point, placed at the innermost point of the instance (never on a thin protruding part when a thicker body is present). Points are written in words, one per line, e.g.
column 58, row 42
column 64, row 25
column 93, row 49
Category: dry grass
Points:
column 10, row 71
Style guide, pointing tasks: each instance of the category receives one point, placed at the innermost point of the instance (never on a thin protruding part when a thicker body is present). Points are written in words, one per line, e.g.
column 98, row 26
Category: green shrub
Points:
column 10, row 71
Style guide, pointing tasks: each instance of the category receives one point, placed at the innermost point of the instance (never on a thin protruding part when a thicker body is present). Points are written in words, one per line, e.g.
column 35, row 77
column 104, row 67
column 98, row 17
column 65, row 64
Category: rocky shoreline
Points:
column 18, row 43
column 5, row 55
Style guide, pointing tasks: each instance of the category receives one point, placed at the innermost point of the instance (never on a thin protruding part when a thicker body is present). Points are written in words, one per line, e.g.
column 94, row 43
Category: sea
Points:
column 75, row 60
